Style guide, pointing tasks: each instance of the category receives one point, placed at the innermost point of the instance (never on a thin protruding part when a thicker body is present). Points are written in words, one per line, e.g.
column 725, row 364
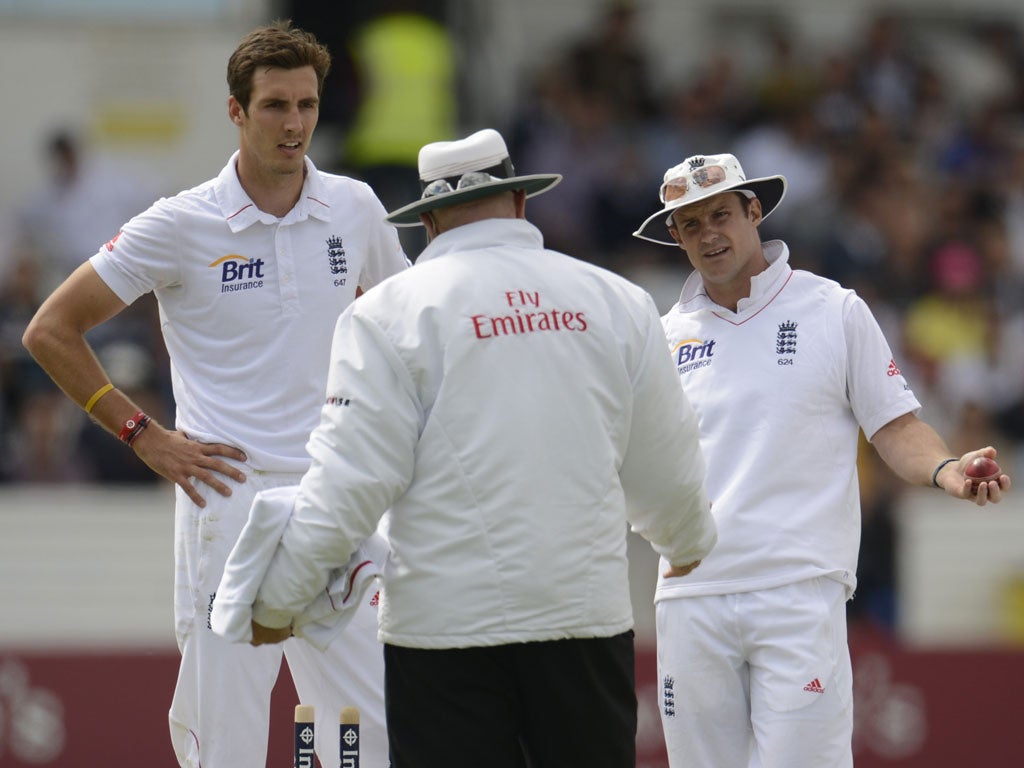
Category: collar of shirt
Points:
column 489, row 233
column 241, row 212
column 762, row 285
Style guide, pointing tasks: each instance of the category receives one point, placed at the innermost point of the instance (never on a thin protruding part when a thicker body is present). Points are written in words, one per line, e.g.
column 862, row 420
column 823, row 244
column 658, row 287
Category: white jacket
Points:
column 513, row 407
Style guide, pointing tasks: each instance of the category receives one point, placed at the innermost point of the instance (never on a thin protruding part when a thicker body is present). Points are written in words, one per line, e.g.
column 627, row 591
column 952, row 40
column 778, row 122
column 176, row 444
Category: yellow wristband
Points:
column 97, row 395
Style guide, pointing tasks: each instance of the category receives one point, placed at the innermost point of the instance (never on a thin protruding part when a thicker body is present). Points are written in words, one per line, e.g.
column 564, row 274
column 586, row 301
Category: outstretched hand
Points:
column 953, row 480
column 172, row 455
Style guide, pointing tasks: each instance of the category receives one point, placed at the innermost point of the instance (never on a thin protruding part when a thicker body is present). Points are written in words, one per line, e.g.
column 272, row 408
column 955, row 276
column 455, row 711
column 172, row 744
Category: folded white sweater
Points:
column 323, row 619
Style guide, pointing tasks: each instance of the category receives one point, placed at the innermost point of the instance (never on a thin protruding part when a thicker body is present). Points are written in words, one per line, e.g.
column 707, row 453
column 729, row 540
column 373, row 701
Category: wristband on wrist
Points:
column 935, row 474
column 91, row 402
column 133, row 428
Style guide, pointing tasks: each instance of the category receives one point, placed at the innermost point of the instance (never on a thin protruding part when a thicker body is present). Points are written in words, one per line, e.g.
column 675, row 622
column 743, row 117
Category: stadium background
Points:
column 87, row 656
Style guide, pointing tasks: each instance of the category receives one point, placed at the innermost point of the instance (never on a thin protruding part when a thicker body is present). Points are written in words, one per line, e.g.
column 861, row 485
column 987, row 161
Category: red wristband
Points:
column 133, row 427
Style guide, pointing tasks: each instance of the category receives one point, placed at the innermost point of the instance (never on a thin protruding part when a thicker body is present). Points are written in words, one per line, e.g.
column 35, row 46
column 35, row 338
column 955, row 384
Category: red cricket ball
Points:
column 983, row 469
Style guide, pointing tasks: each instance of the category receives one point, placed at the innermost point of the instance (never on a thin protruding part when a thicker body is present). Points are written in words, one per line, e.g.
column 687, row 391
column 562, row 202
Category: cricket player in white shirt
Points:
column 251, row 270
column 783, row 368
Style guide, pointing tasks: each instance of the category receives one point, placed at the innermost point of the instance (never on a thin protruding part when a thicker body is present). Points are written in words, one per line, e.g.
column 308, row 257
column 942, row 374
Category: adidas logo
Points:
column 814, row 686
column 894, row 370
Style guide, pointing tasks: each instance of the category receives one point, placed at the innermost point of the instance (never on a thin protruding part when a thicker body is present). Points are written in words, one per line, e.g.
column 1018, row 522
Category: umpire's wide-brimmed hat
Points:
column 700, row 177
column 455, row 172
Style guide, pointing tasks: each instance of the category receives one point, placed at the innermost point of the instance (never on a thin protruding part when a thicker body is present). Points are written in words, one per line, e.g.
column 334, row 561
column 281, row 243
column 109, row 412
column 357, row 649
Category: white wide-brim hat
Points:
column 700, row 177
column 455, row 172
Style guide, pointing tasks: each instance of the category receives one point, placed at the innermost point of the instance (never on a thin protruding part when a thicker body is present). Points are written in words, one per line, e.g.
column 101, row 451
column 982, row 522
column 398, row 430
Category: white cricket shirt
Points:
column 780, row 388
column 248, row 302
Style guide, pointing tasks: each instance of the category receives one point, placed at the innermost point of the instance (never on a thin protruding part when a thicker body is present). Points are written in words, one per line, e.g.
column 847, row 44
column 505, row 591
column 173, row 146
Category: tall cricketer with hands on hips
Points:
column 510, row 408
column 783, row 368
column 251, row 270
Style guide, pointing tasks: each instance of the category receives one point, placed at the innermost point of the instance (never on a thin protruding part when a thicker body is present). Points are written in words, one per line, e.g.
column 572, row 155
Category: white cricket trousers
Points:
column 219, row 717
column 757, row 679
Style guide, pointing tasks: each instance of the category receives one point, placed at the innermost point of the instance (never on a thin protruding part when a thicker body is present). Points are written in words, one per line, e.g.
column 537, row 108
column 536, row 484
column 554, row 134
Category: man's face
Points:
column 283, row 112
column 721, row 240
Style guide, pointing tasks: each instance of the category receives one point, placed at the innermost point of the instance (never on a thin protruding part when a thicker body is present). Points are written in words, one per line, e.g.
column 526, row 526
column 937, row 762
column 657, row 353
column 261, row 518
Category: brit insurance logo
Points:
column 691, row 354
column 336, row 260
column 238, row 273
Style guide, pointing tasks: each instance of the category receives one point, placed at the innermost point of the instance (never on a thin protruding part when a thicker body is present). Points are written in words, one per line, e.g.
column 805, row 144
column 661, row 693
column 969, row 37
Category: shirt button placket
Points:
column 286, row 266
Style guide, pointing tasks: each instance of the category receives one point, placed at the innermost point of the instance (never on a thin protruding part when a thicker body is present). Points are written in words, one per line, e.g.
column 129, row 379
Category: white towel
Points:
column 323, row 619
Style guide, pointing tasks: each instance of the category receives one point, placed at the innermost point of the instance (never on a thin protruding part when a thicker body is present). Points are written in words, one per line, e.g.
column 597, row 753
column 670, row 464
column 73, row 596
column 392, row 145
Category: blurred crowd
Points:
column 905, row 165
column 904, row 154
column 901, row 186
column 81, row 203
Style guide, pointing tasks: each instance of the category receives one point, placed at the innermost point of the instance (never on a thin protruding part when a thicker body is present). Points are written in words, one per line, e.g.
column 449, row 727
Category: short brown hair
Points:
column 278, row 44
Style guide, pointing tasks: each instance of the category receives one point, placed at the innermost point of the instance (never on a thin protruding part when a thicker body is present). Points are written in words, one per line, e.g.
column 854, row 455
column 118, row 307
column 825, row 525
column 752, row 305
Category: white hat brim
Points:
column 769, row 190
column 409, row 215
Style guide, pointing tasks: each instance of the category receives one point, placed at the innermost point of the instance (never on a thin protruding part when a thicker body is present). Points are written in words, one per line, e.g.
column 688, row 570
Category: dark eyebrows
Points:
column 276, row 101
column 681, row 218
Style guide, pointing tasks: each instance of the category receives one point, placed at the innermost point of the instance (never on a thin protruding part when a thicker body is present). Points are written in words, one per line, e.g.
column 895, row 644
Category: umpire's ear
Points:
column 430, row 224
column 520, row 202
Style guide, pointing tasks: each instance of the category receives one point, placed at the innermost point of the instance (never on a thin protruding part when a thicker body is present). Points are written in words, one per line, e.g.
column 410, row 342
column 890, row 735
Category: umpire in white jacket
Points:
column 513, row 408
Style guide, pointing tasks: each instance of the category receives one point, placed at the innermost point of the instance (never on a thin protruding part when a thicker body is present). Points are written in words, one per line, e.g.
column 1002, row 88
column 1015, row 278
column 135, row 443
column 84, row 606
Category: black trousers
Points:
column 552, row 704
